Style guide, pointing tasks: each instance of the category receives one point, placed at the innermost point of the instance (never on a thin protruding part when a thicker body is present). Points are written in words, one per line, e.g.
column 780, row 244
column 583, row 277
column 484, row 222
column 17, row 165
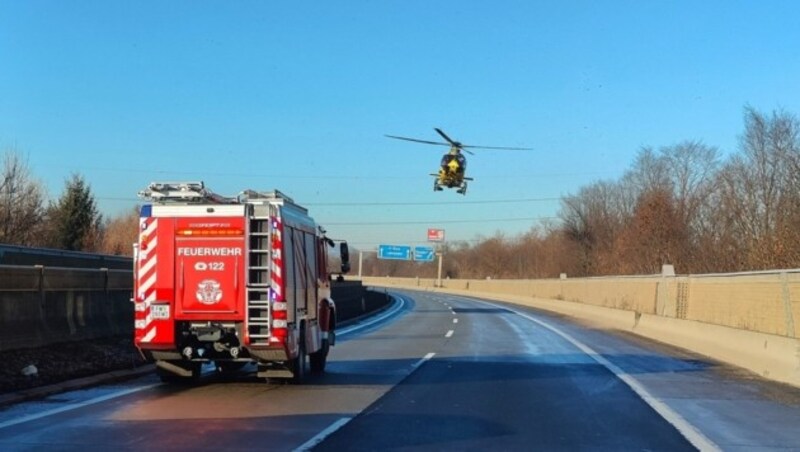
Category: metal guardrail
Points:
column 21, row 255
column 751, row 273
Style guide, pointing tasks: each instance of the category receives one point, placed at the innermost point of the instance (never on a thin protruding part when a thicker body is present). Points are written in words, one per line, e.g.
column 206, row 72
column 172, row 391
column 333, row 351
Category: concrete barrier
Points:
column 746, row 320
column 43, row 305
column 354, row 301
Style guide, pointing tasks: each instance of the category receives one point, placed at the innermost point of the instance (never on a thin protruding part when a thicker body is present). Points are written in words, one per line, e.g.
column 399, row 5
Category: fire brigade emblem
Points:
column 209, row 292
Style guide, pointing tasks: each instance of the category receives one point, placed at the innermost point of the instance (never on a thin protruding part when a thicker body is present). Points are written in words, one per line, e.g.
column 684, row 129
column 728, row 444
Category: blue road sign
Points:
column 397, row 252
column 423, row 253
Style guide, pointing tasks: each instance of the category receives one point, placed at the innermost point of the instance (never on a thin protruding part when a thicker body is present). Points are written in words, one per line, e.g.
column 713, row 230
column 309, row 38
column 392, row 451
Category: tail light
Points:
column 279, row 330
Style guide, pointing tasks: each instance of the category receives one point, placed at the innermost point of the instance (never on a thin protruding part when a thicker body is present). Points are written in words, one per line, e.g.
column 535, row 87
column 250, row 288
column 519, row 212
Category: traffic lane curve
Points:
column 228, row 414
column 730, row 407
column 235, row 414
column 501, row 383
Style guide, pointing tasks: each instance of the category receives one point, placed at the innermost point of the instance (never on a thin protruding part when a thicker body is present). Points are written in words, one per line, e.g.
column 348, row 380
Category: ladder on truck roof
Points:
column 265, row 197
column 253, row 196
column 183, row 192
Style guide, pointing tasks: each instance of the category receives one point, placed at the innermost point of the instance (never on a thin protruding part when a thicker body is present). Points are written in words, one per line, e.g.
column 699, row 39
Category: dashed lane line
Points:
column 423, row 360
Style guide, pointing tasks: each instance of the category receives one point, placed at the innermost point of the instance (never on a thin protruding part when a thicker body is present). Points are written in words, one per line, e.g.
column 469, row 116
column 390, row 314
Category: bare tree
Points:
column 656, row 235
column 120, row 233
column 691, row 168
column 592, row 220
column 649, row 172
column 759, row 193
column 21, row 203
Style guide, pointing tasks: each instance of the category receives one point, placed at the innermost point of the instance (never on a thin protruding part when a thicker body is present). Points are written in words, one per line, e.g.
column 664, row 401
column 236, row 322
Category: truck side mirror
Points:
column 344, row 253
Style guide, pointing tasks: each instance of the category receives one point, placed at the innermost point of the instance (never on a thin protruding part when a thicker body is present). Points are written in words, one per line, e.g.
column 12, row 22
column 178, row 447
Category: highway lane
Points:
column 519, row 379
column 444, row 372
column 503, row 382
column 243, row 414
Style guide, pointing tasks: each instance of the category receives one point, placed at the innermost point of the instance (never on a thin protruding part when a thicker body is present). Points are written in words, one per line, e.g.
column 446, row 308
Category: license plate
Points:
column 160, row 311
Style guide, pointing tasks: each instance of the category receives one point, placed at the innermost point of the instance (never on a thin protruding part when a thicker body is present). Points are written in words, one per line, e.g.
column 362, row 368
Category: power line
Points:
column 379, row 203
column 316, row 176
column 413, row 242
column 430, row 203
column 389, row 223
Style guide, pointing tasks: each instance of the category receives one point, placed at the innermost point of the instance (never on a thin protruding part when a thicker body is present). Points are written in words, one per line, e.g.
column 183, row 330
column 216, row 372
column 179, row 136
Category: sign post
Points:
column 437, row 235
column 439, row 274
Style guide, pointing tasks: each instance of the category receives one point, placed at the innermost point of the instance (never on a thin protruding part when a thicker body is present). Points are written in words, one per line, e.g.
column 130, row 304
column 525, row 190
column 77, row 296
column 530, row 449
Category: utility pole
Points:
column 439, row 274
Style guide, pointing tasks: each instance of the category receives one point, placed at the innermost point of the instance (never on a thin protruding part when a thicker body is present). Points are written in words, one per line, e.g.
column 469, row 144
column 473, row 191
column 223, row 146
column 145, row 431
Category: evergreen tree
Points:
column 74, row 218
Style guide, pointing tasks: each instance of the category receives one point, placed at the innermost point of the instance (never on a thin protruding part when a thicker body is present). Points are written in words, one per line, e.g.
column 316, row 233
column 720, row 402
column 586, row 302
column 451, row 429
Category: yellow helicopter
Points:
column 453, row 166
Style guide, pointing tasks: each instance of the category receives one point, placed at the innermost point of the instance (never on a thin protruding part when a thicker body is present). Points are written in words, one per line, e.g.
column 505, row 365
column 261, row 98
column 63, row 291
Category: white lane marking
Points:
column 74, row 406
column 455, row 320
column 689, row 431
column 422, row 360
column 381, row 317
column 449, row 333
column 319, row 437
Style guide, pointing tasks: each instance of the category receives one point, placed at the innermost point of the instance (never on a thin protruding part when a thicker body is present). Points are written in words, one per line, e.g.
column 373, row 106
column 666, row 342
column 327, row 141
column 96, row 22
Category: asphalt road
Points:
column 438, row 372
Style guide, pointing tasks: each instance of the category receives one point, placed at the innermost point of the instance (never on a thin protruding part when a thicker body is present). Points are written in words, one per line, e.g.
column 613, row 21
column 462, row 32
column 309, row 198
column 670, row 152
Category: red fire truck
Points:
column 232, row 281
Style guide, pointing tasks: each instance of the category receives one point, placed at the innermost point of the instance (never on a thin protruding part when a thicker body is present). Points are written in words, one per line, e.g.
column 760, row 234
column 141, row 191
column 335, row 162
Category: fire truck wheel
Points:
column 298, row 365
column 320, row 358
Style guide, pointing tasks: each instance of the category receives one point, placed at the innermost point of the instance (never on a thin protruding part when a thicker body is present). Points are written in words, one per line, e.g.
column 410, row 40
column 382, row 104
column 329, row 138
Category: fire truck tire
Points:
column 320, row 358
column 298, row 365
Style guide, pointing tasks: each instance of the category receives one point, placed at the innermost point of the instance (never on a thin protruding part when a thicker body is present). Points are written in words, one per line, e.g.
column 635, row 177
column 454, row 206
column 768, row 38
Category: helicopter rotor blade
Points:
column 448, row 139
column 468, row 152
column 417, row 141
column 456, row 144
column 497, row 147
column 460, row 145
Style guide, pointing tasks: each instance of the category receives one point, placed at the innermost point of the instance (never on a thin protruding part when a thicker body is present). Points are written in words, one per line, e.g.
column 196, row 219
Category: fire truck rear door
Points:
column 210, row 266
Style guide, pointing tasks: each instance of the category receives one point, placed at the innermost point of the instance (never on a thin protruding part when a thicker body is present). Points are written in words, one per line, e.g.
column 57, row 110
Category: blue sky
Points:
column 298, row 96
